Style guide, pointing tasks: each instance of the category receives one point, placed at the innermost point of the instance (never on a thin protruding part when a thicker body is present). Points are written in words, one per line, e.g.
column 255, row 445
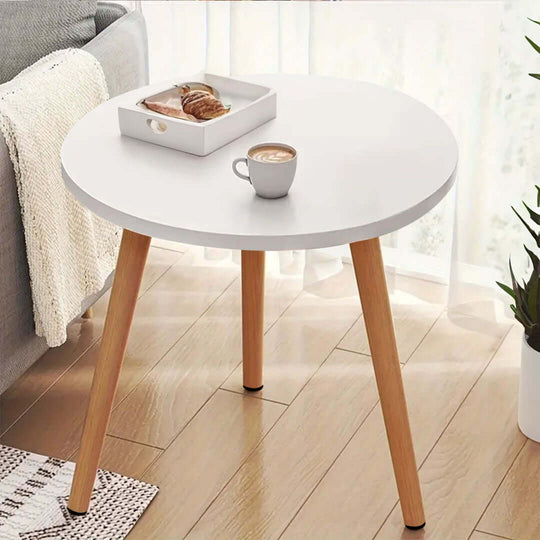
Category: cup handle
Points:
column 237, row 172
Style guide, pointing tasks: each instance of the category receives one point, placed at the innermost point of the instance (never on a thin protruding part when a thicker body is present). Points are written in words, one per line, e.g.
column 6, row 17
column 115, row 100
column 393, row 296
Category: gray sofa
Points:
column 118, row 40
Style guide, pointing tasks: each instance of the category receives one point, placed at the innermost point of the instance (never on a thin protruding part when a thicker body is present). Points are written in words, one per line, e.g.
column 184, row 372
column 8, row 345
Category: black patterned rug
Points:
column 34, row 492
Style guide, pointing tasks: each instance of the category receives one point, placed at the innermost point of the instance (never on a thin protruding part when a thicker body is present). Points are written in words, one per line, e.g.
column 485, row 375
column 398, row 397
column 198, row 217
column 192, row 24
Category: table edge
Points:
column 316, row 240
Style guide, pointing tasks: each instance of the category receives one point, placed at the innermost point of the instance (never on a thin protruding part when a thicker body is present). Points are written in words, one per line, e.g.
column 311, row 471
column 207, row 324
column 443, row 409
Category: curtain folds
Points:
column 468, row 60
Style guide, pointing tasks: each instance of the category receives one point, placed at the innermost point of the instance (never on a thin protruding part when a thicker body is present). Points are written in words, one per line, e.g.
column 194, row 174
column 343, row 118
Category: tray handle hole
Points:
column 156, row 126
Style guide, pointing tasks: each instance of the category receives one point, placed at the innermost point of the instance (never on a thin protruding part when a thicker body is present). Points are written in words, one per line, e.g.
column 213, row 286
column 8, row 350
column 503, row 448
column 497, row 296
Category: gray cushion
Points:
column 30, row 29
column 122, row 51
column 107, row 13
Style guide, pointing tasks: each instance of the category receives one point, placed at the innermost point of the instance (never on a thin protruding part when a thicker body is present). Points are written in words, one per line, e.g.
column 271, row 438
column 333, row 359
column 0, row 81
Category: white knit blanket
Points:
column 70, row 251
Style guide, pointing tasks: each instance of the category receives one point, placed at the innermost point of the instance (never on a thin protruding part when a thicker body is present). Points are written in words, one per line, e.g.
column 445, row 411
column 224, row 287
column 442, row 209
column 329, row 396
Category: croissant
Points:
column 203, row 105
column 171, row 107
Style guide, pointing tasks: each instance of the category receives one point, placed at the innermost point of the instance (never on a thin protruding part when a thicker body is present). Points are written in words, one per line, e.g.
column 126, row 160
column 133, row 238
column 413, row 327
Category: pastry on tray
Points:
column 171, row 107
column 203, row 105
column 196, row 102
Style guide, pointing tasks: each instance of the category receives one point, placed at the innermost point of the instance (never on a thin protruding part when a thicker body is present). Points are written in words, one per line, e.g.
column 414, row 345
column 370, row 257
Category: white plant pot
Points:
column 529, row 392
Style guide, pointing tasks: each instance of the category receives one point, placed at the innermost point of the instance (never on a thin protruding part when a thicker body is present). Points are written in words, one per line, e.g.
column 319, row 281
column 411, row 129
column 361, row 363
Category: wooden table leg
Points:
column 369, row 269
column 127, row 280
column 253, row 318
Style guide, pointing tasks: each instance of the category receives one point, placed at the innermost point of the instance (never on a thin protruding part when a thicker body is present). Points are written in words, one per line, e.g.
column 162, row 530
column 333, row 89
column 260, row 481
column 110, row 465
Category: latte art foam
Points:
column 271, row 154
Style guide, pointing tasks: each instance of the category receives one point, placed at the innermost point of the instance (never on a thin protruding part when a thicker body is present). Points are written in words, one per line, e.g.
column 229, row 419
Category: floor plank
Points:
column 513, row 513
column 359, row 491
column 126, row 457
column 194, row 368
column 301, row 340
column 167, row 244
column 197, row 465
column 474, row 453
column 477, row 535
column 317, row 471
column 159, row 261
column 423, row 290
column 52, row 426
column 82, row 334
column 412, row 320
column 269, row 488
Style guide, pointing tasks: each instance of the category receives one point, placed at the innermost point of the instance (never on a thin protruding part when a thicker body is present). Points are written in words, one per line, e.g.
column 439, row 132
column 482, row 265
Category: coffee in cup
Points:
column 271, row 153
column 271, row 168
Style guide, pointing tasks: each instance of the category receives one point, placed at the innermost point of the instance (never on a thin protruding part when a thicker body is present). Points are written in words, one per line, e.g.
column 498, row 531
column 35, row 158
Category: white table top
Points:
column 370, row 160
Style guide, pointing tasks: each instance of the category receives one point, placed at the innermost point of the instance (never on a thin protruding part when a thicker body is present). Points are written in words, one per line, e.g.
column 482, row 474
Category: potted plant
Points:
column 526, row 308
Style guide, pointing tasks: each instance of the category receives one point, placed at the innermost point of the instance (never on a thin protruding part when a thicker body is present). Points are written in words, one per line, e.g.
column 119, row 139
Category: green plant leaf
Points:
column 537, row 192
column 506, row 289
column 534, row 259
column 535, row 76
column 533, row 45
column 527, row 226
column 521, row 303
column 532, row 20
column 525, row 303
column 517, row 316
column 524, row 310
column 532, row 299
column 532, row 214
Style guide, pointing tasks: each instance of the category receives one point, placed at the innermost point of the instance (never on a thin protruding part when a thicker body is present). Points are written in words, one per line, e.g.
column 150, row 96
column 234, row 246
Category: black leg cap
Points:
column 253, row 389
column 415, row 527
column 73, row 513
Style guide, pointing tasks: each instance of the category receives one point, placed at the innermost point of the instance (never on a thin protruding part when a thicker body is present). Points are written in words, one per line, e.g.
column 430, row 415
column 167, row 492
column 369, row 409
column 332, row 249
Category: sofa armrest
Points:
column 19, row 345
column 122, row 50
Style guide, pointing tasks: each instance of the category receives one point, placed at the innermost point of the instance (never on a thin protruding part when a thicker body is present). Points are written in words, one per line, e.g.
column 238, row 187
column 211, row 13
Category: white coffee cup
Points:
column 271, row 168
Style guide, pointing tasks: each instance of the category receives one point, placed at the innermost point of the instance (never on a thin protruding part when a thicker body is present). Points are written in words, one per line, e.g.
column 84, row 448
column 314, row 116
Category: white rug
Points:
column 34, row 492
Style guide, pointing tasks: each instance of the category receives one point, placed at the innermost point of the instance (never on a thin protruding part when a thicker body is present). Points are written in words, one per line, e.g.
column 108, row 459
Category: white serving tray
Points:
column 251, row 106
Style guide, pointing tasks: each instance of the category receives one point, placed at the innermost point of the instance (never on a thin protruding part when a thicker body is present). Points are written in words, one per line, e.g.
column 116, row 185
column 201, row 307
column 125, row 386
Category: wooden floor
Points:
column 307, row 456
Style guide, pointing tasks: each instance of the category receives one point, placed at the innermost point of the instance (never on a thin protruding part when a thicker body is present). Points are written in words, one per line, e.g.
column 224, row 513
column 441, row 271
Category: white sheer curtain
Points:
column 468, row 60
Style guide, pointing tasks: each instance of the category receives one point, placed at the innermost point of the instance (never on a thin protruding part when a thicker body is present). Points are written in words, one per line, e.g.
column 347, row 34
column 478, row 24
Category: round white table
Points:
column 370, row 161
